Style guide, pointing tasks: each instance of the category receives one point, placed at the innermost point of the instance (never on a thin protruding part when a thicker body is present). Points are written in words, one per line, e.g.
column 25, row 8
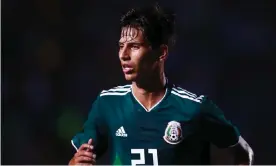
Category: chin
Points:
column 130, row 77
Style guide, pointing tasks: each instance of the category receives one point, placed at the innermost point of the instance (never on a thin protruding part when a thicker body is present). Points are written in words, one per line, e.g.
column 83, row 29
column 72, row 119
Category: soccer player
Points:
column 152, row 121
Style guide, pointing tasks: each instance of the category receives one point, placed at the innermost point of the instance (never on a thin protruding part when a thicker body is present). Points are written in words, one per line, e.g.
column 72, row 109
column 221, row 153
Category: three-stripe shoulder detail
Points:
column 186, row 94
column 117, row 91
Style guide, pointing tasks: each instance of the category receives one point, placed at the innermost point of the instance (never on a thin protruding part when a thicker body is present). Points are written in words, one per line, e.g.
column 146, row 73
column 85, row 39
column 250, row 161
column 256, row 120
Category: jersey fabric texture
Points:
column 178, row 130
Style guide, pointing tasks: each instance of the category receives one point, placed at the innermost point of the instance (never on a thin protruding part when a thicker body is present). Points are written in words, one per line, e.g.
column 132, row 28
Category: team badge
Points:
column 173, row 133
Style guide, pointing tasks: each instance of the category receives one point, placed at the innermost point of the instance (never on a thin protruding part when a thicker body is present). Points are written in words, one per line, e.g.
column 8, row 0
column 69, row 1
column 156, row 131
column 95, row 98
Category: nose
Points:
column 124, row 54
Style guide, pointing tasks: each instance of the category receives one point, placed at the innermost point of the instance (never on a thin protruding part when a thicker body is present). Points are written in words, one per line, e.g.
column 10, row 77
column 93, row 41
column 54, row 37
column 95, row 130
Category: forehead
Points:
column 131, row 34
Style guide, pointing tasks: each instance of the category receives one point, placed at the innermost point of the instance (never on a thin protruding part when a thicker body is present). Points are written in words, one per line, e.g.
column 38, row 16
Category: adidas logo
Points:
column 121, row 132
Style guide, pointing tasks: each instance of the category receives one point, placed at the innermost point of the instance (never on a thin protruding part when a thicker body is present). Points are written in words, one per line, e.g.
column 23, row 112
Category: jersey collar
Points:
column 158, row 103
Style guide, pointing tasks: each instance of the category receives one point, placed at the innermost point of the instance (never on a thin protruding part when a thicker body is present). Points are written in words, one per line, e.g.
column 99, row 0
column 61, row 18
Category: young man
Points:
column 151, row 121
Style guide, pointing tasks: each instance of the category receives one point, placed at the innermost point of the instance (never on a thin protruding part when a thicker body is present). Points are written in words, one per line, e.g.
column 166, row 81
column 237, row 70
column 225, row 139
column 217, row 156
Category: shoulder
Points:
column 116, row 91
column 108, row 99
column 186, row 95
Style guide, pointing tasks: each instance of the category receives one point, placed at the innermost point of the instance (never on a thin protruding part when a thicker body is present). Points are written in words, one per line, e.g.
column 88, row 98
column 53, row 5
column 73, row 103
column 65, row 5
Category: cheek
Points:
column 147, row 61
column 137, row 59
column 142, row 60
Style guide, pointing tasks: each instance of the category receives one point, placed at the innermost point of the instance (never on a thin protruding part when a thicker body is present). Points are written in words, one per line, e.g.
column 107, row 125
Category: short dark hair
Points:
column 157, row 25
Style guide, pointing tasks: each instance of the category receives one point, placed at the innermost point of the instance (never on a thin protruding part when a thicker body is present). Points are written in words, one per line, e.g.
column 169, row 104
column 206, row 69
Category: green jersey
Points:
column 176, row 131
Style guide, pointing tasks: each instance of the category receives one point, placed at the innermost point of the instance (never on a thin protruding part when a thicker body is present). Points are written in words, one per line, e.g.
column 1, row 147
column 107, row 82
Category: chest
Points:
column 162, row 135
column 166, row 128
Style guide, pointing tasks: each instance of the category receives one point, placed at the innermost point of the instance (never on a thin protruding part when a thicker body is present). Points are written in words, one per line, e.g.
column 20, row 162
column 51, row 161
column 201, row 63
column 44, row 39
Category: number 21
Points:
column 141, row 152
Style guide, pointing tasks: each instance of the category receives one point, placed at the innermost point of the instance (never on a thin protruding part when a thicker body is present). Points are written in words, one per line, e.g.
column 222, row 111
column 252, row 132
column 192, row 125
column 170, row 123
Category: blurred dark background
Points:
column 57, row 55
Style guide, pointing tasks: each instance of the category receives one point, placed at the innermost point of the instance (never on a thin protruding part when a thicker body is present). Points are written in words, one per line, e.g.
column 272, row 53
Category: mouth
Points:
column 127, row 69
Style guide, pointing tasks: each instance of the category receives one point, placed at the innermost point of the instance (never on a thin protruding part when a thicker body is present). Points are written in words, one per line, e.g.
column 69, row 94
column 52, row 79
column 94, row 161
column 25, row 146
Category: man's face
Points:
column 136, row 56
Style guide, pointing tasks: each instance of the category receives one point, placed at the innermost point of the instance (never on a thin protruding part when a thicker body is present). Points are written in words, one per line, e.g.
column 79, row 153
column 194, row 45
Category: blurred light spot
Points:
column 69, row 123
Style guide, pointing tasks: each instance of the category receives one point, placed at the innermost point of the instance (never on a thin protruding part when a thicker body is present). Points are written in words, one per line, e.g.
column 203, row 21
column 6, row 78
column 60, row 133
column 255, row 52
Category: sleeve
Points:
column 92, row 128
column 215, row 127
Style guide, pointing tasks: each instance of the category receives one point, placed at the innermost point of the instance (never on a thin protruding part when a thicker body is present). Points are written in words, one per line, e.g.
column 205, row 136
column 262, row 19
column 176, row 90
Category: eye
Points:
column 121, row 46
column 135, row 47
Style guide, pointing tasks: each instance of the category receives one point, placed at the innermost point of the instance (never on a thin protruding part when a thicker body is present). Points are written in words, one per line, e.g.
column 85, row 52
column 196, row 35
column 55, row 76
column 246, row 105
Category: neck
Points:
column 149, row 91
column 151, row 84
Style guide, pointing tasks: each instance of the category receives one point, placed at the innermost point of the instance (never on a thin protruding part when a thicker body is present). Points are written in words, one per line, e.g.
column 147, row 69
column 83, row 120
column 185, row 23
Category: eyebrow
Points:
column 138, row 43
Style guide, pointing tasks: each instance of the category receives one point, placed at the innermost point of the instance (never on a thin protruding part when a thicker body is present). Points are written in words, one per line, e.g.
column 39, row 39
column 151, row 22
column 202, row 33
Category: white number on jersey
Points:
column 142, row 160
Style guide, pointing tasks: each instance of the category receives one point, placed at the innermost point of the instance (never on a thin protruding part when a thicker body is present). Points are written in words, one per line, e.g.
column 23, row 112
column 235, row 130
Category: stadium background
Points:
column 58, row 54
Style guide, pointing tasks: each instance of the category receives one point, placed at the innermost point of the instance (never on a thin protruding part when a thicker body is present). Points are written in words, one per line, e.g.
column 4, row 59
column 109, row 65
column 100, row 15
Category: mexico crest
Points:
column 173, row 133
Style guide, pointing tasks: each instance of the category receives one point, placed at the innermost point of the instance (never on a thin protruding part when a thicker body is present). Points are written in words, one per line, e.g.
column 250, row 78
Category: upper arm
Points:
column 238, row 154
column 92, row 128
column 243, row 153
column 215, row 127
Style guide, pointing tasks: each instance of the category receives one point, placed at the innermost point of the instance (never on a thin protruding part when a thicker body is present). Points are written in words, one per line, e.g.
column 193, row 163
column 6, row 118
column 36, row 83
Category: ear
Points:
column 164, row 50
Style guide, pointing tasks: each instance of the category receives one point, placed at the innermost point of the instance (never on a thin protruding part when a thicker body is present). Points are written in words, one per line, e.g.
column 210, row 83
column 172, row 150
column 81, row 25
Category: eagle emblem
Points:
column 173, row 133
